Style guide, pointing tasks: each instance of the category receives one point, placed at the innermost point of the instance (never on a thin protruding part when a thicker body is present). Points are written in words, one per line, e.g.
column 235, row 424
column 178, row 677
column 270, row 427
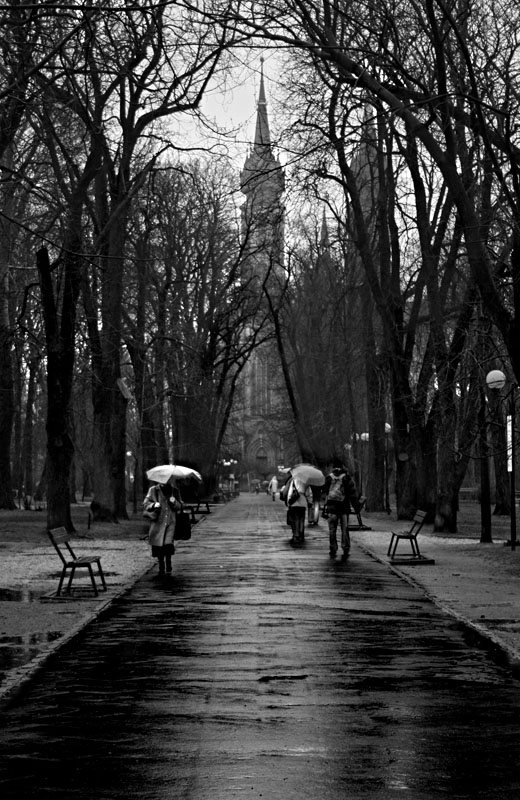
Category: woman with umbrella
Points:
column 161, row 505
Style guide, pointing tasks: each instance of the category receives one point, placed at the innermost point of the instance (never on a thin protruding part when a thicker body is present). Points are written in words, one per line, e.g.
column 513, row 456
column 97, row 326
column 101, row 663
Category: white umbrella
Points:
column 308, row 474
column 164, row 472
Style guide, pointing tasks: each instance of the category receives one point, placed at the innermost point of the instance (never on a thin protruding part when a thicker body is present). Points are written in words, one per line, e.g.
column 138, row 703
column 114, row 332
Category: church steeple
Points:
column 262, row 134
column 324, row 236
column 262, row 168
column 262, row 182
column 262, row 271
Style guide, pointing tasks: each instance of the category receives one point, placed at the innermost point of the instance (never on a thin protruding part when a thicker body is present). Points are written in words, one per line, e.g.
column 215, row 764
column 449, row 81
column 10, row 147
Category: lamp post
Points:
column 388, row 431
column 364, row 437
column 496, row 380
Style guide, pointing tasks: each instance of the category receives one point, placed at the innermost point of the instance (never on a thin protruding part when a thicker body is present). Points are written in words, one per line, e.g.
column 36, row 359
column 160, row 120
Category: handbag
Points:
column 182, row 526
column 295, row 494
column 152, row 514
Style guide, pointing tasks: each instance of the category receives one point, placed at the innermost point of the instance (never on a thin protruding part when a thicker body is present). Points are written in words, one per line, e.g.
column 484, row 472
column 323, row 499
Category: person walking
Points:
column 273, row 487
column 341, row 493
column 295, row 496
column 161, row 505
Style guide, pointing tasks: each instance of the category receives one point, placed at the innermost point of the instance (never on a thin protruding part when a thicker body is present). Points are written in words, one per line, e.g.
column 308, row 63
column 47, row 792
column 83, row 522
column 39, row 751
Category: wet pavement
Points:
column 258, row 670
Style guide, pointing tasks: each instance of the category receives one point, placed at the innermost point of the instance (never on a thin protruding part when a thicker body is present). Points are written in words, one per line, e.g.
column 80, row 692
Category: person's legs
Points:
column 169, row 550
column 292, row 519
column 161, row 564
column 300, row 525
column 345, row 535
column 333, row 542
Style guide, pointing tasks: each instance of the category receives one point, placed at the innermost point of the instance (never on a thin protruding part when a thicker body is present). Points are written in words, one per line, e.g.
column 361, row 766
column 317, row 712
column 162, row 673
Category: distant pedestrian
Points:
column 273, row 487
column 162, row 502
column 295, row 496
column 341, row 493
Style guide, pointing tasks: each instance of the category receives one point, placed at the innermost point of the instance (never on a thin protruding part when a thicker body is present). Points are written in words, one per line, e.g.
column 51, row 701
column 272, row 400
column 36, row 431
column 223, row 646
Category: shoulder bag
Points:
column 182, row 526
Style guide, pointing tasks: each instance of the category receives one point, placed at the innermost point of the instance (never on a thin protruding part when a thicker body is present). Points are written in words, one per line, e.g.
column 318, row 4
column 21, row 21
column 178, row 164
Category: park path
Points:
column 258, row 670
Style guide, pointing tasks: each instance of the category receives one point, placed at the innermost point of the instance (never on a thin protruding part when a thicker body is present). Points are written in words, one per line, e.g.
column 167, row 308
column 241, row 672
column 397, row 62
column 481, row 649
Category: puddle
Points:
column 19, row 595
column 15, row 651
column 30, row 639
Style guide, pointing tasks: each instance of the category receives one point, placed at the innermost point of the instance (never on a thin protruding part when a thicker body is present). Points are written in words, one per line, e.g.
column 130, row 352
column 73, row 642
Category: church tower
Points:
column 263, row 390
column 262, row 182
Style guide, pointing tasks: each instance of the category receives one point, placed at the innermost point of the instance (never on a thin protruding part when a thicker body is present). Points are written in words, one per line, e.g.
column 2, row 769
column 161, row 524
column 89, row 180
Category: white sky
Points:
column 233, row 108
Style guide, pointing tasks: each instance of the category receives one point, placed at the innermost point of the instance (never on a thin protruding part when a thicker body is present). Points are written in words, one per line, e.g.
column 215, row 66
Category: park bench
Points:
column 356, row 526
column 60, row 539
column 195, row 507
column 409, row 535
column 203, row 506
column 360, row 526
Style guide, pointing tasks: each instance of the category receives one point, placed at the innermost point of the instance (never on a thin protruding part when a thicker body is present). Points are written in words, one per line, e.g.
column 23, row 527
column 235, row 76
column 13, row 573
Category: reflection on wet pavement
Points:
column 23, row 595
column 18, row 650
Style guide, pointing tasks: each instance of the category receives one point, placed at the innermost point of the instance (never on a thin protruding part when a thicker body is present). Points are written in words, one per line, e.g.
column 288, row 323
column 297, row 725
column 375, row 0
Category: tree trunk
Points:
column 6, row 399
column 108, row 479
column 28, row 431
column 109, row 393
column 59, row 335
column 405, row 455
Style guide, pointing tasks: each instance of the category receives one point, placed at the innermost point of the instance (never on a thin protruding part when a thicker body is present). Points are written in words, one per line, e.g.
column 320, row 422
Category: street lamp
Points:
column 388, row 431
column 496, row 380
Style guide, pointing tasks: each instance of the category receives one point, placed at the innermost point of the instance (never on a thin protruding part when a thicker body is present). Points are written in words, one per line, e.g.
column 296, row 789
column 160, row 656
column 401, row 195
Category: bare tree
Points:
column 108, row 89
column 190, row 324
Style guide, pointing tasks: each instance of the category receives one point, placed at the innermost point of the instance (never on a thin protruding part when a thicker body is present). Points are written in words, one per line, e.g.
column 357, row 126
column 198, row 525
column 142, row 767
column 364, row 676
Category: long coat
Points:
column 161, row 531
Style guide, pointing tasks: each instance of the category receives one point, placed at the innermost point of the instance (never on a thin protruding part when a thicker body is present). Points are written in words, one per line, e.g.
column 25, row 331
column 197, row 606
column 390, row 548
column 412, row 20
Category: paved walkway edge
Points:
column 20, row 677
column 499, row 650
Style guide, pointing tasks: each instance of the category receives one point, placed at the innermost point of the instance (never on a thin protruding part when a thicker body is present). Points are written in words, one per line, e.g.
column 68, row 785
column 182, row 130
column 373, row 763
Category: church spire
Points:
column 324, row 238
column 262, row 178
column 262, row 134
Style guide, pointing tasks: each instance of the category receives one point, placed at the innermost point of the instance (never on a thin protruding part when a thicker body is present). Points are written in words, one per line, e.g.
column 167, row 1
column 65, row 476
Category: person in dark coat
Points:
column 341, row 494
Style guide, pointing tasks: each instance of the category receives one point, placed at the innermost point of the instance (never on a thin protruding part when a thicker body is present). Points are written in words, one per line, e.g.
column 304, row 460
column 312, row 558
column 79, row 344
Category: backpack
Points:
column 337, row 488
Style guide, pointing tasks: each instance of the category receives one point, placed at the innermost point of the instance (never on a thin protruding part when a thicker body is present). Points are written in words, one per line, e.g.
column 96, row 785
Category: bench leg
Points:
column 62, row 578
column 415, row 547
column 71, row 577
column 92, row 578
column 391, row 543
column 397, row 538
column 101, row 574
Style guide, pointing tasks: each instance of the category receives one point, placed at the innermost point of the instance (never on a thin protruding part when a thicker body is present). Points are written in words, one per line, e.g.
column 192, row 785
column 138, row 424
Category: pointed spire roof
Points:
column 262, row 168
column 324, row 239
column 262, row 134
